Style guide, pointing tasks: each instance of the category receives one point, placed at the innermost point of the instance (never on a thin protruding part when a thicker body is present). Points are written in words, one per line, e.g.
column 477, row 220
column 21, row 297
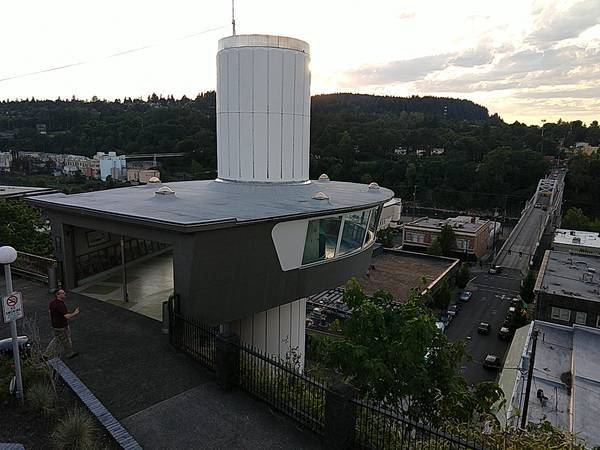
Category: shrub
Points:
column 41, row 396
column 75, row 431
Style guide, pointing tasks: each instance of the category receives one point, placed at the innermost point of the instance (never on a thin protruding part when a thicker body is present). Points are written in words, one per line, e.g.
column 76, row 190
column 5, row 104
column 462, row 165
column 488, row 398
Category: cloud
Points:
column 408, row 70
column 554, row 25
column 592, row 92
column 407, row 15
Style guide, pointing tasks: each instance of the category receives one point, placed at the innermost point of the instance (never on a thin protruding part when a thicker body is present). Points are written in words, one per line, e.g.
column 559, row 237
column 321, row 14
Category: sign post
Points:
column 12, row 309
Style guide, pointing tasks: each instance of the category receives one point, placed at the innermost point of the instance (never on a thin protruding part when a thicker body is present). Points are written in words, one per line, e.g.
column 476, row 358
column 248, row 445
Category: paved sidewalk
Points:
column 162, row 397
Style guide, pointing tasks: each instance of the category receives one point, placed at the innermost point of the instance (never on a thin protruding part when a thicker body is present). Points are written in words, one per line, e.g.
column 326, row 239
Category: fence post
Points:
column 227, row 358
column 339, row 416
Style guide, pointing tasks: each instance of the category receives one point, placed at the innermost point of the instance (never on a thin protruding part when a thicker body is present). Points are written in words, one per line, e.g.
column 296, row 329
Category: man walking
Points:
column 60, row 316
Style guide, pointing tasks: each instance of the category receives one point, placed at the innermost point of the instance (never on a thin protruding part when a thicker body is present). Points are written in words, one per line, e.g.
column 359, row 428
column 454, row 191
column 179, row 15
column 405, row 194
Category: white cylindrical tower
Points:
column 263, row 109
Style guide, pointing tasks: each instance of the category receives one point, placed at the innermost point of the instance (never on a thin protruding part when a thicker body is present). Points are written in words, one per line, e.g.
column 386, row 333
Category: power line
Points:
column 114, row 55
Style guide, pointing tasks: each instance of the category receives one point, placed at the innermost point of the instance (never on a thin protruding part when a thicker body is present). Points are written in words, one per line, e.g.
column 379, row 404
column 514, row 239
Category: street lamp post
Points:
column 8, row 255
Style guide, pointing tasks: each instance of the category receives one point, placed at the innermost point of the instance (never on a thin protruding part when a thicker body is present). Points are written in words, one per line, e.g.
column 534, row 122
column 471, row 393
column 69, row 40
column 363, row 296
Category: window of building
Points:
column 561, row 314
column 321, row 239
column 598, row 321
column 355, row 226
column 415, row 237
column 580, row 317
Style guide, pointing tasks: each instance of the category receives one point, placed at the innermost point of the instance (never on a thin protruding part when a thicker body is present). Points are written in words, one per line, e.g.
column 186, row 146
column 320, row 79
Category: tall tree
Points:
column 527, row 286
column 447, row 240
column 462, row 277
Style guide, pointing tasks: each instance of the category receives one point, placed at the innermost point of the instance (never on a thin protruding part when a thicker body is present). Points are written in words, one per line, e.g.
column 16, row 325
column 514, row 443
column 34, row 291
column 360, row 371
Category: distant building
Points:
column 112, row 165
column 141, row 176
column 437, row 151
column 473, row 235
column 70, row 170
column 400, row 151
column 565, row 387
column 573, row 241
column 5, row 161
column 421, row 152
column 41, row 128
column 390, row 215
column 567, row 289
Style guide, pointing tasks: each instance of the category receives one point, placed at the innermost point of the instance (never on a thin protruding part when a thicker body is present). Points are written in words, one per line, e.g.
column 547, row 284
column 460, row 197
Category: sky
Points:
column 527, row 60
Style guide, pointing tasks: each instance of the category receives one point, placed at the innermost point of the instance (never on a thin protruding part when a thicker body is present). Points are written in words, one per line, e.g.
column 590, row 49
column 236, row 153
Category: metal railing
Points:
column 283, row 387
column 194, row 338
column 376, row 428
column 33, row 265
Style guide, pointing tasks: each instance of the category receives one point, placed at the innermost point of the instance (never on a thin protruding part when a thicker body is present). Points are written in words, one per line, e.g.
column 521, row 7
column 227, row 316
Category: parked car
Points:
column 453, row 310
column 446, row 319
column 465, row 296
column 484, row 328
column 440, row 326
column 512, row 310
column 504, row 333
column 492, row 362
column 537, row 205
column 495, row 270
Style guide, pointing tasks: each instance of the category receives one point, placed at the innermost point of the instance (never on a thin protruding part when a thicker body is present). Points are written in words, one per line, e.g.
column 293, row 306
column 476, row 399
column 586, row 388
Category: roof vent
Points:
column 320, row 196
column 324, row 177
column 165, row 190
column 154, row 180
column 374, row 186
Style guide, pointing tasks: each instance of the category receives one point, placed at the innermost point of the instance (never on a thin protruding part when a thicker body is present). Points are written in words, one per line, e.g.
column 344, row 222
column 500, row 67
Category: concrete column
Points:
column 227, row 359
column 339, row 417
column 68, row 251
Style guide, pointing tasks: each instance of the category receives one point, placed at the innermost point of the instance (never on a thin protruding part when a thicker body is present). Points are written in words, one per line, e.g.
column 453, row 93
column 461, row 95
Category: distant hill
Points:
column 448, row 108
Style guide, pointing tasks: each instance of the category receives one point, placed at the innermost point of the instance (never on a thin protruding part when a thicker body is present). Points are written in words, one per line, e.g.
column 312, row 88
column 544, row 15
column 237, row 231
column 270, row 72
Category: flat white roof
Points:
column 577, row 238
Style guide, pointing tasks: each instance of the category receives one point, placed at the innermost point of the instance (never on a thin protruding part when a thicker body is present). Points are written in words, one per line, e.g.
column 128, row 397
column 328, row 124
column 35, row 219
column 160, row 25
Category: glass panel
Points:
column 321, row 239
column 372, row 226
column 355, row 227
column 580, row 318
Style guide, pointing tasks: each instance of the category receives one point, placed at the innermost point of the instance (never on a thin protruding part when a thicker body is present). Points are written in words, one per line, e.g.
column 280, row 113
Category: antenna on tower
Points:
column 233, row 16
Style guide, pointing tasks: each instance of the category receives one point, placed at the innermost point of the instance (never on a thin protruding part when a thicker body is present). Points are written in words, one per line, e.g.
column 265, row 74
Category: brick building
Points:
column 567, row 289
column 473, row 235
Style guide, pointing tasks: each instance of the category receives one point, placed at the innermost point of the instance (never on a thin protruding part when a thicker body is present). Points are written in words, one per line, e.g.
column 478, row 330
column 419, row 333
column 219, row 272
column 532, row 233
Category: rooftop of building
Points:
column 460, row 224
column 570, row 275
column 217, row 202
column 397, row 272
column 563, row 350
column 23, row 191
column 577, row 238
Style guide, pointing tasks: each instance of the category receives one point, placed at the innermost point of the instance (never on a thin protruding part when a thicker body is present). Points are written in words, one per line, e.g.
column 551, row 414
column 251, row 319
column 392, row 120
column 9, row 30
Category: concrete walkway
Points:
column 162, row 397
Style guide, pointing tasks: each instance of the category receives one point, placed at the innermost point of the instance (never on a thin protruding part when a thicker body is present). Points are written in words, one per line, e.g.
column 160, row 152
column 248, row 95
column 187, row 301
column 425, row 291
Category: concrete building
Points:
column 251, row 245
column 112, row 166
column 473, row 235
column 567, row 289
column 565, row 386
column 438, row 151
column 142, row 176
column 390, row 216
column 577, row 242
column 5, row 161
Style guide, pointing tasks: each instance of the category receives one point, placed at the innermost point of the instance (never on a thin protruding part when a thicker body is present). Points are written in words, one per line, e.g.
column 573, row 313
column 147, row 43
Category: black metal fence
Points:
column 376, row 428
column 283, row 387
column 303, row 398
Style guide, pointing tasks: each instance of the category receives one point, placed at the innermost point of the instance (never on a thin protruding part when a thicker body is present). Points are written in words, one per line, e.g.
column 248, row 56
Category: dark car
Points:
column 483, row 328
column 495, row 270
column 504, row 333
column 453, row 310
column 492, row 362
column 465, row 296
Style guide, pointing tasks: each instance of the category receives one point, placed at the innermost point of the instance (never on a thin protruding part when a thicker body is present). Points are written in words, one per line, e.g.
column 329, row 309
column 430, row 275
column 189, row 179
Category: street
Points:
column 490, row 302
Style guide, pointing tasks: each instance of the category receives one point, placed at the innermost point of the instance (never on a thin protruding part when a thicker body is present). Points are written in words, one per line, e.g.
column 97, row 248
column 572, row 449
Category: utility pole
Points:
column 529, row 377
column 415, row 199
column 233, row 16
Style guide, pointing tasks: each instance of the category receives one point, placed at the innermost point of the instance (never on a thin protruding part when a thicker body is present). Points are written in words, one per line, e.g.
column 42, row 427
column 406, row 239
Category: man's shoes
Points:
column 73, row 355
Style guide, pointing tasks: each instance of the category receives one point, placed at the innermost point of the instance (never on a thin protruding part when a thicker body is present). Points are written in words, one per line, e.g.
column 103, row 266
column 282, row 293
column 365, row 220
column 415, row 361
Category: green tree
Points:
column 386, row 237
column 435, row 248
column 527, row 285
column 24, row 228
column 463, row 276
column 442, row 296
column 394, row 354
column 447, row 240
column 575, row 219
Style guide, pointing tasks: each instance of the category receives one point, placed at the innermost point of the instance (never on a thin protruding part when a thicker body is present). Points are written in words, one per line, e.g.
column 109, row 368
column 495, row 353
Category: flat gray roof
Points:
column 213, row 201
column 561, row 350
column 460, row 224
column 22, row 191
column 571, row 275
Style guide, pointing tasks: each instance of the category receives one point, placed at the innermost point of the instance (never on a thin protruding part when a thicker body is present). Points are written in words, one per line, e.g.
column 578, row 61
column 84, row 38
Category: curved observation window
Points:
column 330, row 237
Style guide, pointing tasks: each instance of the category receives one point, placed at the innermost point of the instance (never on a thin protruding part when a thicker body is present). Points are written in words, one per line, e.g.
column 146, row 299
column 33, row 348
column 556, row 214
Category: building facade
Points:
column 577, row 242
column 567, row 290
column 473, row 235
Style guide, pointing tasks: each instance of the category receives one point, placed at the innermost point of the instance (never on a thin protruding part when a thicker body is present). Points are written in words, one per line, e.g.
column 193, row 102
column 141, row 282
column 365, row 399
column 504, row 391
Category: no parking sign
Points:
column 12, row 307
